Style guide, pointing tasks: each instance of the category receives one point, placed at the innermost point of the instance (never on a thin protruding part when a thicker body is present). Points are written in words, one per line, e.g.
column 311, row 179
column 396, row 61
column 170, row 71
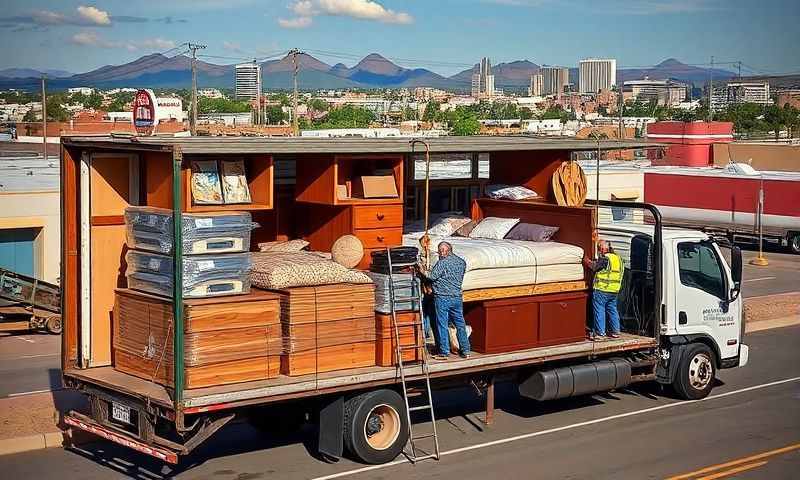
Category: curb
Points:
column 772, row 323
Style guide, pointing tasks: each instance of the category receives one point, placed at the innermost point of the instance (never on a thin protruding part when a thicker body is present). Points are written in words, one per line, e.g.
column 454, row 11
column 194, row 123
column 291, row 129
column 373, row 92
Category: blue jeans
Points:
column 605, row 306
column 450, row 309
column 428, row 316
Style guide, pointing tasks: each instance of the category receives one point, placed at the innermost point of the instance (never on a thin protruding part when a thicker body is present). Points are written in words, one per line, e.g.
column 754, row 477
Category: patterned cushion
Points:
column 447, row 225
column 279, row 270
column 283, row 246
column 493, row 227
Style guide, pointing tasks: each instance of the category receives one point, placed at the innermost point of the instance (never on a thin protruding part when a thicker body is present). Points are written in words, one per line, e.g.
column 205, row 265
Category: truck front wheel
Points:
column 696, row 373
column 794, row 243
column 375, row 426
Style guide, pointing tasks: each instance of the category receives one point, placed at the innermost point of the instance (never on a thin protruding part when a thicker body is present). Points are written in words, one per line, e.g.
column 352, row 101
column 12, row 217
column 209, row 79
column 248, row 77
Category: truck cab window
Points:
column 700, row 268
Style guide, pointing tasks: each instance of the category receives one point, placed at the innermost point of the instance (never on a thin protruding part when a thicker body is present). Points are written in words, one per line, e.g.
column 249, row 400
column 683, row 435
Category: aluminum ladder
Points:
column 419, row 345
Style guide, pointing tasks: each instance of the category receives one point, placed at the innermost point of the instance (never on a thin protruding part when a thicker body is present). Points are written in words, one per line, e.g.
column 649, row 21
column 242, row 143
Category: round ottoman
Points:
column 347, row 250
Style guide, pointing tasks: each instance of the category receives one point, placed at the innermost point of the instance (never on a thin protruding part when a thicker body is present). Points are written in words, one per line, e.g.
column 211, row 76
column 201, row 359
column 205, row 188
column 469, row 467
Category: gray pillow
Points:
column 532, row 232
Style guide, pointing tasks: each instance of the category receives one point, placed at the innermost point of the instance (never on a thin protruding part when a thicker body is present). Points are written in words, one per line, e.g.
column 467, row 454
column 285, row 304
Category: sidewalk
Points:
column 31, row 422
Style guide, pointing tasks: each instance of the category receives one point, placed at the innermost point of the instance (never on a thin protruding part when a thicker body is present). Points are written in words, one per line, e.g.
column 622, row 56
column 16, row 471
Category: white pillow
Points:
column 493, row 227
column 510, row 193
column 447, row 225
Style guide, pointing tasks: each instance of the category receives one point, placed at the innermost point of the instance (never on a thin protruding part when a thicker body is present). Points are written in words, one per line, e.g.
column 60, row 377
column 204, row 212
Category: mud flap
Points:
column 331, row 426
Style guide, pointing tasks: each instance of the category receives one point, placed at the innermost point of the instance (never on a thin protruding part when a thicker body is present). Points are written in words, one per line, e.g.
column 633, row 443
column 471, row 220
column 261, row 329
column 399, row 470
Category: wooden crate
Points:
column 410, row 334
column 308, row 336
column 327, row 302
column 226, row 340
column 328, row 359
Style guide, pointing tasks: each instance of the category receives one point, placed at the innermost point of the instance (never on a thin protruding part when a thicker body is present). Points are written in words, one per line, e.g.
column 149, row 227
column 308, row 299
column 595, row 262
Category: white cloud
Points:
column 371, row 10
column 299, row 22
column 94, row 15
column 92, row 39
column 232, row 46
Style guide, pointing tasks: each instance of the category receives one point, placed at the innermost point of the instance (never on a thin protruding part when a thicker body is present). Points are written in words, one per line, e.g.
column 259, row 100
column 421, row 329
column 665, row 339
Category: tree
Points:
column 95, row 101
column 465, row 124
column 775, row 119
column 221, row 105
column 274, row 114
column 120, row 102
column 347, row 116
column 432, row 112
column 318, row 105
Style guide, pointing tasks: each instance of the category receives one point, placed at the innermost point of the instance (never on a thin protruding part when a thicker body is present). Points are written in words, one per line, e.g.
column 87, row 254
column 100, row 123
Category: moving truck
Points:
column 681, row 311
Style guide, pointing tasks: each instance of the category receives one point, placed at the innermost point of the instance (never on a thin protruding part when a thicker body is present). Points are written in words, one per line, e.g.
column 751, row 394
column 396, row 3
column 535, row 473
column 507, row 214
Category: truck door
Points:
column 701, row 296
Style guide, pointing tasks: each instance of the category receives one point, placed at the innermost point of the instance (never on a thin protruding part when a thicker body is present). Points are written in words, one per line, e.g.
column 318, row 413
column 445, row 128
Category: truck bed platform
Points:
column 285, row 387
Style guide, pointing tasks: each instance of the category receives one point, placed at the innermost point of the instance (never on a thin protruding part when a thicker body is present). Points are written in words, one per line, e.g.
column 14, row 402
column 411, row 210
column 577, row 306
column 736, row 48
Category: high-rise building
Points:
column 483, row 80
column 740, row 92
column 537, row 85
column 248, row 81
column 662, row 92
column 555, row 80
column 595, row 74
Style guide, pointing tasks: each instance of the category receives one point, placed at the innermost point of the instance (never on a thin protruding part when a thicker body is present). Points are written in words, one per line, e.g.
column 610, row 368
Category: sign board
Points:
column 144, row 112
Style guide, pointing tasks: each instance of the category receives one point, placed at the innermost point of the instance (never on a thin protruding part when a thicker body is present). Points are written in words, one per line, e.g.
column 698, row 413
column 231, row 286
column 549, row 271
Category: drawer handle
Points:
column 563, row 305
column 379, row 216
column 380, row 238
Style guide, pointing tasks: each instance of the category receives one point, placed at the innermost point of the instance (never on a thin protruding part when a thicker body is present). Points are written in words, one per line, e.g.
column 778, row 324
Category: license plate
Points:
column 120, row 413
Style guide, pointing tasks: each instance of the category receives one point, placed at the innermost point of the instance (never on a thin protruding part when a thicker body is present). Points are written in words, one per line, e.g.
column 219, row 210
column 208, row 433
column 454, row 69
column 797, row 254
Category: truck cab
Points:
column 690, row 289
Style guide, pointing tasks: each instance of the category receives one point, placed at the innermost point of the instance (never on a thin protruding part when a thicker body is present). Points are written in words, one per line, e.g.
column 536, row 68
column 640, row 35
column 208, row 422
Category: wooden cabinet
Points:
column 526, row 322
column 330, row 179
column 377, row 216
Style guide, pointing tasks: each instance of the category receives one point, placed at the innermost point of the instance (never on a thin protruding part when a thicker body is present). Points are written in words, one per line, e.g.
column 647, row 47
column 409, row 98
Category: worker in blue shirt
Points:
column 447, row 277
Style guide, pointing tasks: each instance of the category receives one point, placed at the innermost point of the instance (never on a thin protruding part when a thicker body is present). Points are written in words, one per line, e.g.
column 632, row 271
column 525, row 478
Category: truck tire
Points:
column 696, row 372
column 375, row 426
column 53, row 325
column 794, row 243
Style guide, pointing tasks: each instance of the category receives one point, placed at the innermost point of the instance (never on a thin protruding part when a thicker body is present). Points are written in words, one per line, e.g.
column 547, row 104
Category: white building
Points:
column 228, row 119
column 82, row 90
column 210, row 93
column 483, row 80
column 169, row 108
column 740, row 92
column 537, row 85
column 595, row 74
column 248, row 81
column 353, row 132
column 663, row 92
column 554, row 80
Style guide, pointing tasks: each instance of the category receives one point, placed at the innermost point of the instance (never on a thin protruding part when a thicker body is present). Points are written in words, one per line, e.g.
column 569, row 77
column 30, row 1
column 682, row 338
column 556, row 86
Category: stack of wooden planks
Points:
column 327, row 328
column 226, row 339
column 410, row 334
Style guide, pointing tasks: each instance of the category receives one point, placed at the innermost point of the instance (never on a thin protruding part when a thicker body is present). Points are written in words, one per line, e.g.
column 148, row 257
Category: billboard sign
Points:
column 144, row 112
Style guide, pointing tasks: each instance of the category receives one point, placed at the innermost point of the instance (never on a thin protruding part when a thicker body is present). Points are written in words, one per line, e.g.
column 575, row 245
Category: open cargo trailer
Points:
column 103, row 175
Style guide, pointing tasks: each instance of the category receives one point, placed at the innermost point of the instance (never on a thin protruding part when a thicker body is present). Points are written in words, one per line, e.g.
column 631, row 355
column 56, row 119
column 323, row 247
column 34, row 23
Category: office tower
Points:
column 595, row 74
column 537, row 85
column 248, row 81
column 555, row 80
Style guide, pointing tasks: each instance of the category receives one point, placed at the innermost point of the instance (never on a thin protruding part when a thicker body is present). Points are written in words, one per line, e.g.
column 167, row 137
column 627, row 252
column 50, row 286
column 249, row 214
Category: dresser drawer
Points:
column 377, row 216
column 380, row 237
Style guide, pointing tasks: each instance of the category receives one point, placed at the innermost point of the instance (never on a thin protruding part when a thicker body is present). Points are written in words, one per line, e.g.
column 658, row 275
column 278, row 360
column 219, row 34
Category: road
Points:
column 780, row 276
column 29, row 363
column 636, row 433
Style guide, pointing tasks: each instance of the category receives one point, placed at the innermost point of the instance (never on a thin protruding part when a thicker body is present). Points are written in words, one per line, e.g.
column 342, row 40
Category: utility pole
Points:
column 739, row 75
column 44, row 119
column 295, row 125
column 620, row 107
column 710, row 88
column 193, row 119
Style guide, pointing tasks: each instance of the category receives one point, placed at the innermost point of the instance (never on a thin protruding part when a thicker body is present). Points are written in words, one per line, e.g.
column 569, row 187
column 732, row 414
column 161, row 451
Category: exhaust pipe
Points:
column 577, row 380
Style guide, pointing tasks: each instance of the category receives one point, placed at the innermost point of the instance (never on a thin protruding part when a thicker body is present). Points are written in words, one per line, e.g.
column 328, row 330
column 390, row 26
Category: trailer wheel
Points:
column 375, row 426
column 53, row 324
column 696, row 373
column 794, row 243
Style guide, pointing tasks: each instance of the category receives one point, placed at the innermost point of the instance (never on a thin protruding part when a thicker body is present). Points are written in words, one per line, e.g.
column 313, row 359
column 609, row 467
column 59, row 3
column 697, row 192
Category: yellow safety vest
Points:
column 609, row 279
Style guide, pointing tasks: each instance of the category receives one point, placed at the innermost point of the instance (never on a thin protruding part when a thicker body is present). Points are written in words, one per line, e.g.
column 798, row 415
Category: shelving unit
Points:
column 259, row 172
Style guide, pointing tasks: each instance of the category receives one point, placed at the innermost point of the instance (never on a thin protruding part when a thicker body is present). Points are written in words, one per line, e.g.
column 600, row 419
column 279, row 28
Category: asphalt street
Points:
column 640, row 432
column 29, row 362
column 782, row 275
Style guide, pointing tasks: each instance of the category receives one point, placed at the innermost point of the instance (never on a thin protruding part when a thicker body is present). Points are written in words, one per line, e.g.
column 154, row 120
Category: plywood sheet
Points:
column 108, row 273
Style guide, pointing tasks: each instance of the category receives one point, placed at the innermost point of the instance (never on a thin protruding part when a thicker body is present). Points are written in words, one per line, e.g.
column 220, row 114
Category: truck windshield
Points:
column 700, row 268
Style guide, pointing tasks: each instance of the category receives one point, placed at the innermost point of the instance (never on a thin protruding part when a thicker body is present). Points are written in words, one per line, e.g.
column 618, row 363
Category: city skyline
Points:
column 79, row 36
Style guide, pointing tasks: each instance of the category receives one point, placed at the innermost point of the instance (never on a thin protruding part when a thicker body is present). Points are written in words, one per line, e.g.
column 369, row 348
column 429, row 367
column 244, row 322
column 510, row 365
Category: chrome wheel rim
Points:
column 382, row 427
column 701, row 371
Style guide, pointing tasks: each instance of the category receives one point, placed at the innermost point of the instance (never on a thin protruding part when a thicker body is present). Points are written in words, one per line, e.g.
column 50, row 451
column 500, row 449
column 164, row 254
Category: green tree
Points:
column 433, row 111
column 318, row 105
column 95, row 100
column 348, row 116
column 274, row 114
column 221, row 105
column 465, row 123
column 120, row 102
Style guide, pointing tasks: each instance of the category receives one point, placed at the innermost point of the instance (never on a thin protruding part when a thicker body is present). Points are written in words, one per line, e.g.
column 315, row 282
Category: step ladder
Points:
column 423, row 391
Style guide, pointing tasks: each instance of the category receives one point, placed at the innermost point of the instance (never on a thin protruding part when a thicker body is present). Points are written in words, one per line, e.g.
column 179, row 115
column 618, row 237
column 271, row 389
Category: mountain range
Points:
column 373, row 71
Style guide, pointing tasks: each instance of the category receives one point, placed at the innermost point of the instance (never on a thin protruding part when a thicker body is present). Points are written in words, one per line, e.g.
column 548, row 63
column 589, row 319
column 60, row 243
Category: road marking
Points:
column 20, row 394
column 732, row 471
column 752, row 458
column 563, row 428
column 758, row 279
column 25, row 339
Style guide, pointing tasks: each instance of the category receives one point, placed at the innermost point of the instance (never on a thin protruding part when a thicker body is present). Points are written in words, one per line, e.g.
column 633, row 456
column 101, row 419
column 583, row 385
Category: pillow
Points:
column 347, row 250
column 493, row 227
column 283, row 246
column 447, row 225
column 510, row 193
column 465, row 229
column 532, row 232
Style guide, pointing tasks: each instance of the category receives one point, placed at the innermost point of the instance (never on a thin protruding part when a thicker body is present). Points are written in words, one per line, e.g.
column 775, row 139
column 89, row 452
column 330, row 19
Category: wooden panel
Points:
column 322, row 224
column 328, row 359
column 110, row 185
column 315, row 179
column 158, row 179
column 380, row 237
column 377, row 216
column 327, row 302
column 503, row 325
column 562, row 319
column 204, row 318
column 576, row 224
column 405, row 322
column 533, row 169
column 350, row 167
column 309, row 336
column 69, row 256
column 108, row 273
column 410, row 334
column 523, row 290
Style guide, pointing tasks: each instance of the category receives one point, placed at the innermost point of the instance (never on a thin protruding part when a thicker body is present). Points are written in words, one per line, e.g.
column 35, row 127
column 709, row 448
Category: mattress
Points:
column 482, row 253
column 515, row 276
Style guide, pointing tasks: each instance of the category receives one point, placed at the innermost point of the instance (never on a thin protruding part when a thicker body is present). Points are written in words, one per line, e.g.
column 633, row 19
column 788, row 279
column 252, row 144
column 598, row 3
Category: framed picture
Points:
column 234, row 182
column 206, row 188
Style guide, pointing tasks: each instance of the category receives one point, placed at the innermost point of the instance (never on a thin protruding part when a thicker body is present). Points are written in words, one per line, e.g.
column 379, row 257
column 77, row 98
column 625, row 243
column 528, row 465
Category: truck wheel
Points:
column 375, row 426
column 794, row 243
column 696, row 373
column 53, row 324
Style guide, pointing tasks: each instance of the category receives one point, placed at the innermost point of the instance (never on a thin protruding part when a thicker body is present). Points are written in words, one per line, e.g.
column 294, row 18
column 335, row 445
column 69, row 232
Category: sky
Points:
column 445, row 36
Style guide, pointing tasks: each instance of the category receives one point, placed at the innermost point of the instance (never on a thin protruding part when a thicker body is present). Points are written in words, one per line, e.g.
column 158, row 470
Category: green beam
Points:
column 177, row 294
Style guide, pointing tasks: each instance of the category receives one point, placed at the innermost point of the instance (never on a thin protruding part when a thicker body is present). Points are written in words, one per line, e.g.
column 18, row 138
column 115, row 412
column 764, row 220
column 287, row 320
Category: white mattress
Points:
column 513, row 276
column 481, row 253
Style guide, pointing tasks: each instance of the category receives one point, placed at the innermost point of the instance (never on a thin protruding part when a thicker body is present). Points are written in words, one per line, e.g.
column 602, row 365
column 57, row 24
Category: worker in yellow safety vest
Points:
column 608, row 270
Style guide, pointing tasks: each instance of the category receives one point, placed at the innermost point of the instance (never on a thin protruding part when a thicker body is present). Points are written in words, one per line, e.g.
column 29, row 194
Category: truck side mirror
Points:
column 736, row 272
